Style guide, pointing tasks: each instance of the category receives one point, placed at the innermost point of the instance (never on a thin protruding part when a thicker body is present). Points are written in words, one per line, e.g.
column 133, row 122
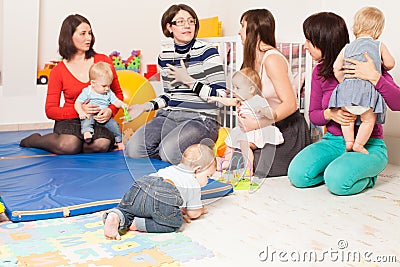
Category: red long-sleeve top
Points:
column 62, row 81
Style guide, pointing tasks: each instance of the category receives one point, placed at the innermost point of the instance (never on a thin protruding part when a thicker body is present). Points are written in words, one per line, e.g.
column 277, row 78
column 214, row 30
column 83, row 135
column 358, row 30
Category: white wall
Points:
column 124, row 25
column 129, row 25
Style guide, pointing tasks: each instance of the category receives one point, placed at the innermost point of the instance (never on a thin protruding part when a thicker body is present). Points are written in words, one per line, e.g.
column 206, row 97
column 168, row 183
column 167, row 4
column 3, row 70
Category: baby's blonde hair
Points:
column 369, row 20
column 250, row 76
column 199, row 155
column 101, row 69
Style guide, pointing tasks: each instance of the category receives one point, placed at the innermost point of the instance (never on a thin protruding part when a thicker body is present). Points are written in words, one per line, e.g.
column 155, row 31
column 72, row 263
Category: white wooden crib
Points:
column 231, row 50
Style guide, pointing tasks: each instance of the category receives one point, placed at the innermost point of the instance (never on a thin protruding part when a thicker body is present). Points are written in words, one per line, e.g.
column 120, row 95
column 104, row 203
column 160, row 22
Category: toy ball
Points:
column 136, row 90
column 220, row 147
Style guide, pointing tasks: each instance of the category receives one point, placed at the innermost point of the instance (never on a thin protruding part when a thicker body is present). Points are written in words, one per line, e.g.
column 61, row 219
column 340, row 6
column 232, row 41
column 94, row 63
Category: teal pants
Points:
column 344, row 173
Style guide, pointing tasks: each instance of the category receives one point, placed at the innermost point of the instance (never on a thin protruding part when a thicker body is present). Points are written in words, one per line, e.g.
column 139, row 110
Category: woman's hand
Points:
column 180, row 74
column 90, row 108
column 104, row 115
column 339, row 115
column 362, row 70
column 137, row 110
column 249, row 123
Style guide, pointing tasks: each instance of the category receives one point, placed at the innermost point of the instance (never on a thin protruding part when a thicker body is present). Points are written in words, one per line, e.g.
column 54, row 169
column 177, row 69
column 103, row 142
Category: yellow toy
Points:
column 136, row 90
column 2, row 209
column 220, row 147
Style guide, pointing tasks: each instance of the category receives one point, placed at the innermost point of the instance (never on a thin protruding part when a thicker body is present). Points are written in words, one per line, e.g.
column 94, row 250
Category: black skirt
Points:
column 73, row 127
column 274, row 160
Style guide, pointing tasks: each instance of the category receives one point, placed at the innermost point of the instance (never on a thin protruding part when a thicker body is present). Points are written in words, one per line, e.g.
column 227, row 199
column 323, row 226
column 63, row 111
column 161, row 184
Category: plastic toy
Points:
column 238, row 177
column 127, row 117
column 152, row 72
column 2, row 209
column 119, row 64
column 220, row 147
column 44, row 74
column 133, row 62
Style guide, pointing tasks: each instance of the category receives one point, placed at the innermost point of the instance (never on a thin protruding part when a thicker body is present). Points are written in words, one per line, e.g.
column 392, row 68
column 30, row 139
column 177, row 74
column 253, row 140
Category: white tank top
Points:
column 268, row 90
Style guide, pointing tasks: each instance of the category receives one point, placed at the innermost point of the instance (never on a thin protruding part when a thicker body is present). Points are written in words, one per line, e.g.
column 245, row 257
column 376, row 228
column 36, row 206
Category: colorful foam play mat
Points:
column 79, row 241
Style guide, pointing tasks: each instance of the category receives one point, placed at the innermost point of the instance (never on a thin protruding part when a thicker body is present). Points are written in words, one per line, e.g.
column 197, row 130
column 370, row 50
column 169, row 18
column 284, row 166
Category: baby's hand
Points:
column 83, row 116
column 212, row 99
column 227, row 101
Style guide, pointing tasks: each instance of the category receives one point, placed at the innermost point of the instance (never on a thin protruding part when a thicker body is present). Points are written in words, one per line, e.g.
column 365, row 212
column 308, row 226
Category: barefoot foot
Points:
column 349, row 145
column 120, row 146
column 87, row 136
column 359, row 148
column 133, row 226
column 111, row 226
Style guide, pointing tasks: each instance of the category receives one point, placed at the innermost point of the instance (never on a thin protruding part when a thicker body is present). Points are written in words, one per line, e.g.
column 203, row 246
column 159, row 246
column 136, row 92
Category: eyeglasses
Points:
column 181, row 22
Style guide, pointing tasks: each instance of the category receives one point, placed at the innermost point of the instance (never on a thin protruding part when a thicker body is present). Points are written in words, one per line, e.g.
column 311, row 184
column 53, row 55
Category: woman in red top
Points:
column 69, row 77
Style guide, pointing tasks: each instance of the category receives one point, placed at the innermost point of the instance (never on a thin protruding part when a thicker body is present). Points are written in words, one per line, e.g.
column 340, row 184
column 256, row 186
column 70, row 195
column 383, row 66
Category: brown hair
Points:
column 260, row 28
column 66, row 46
column 369, row 20
column 101, row 69
column 169, row 15
column 328, row 32
column 251, row 77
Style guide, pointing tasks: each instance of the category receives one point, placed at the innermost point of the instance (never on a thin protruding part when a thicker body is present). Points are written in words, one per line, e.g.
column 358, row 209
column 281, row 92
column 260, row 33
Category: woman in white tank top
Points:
column 260, row 53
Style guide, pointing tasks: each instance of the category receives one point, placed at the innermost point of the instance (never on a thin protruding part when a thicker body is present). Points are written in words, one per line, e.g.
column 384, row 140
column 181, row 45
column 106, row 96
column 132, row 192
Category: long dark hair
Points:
column 66, row 46
column 170, row 14
column 260, row 28
column 328, row 32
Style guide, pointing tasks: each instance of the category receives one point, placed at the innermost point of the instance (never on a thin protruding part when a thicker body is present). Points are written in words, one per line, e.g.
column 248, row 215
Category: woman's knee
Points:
column 135, row 147
column 170, row 152
column 296, row 177
column 97, row 146
column 340, row 183
column 297, row 174
column 68, row 146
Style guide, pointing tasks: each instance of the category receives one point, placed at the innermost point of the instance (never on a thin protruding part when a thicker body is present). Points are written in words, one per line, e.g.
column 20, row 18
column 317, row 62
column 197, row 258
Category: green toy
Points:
column 127, row 117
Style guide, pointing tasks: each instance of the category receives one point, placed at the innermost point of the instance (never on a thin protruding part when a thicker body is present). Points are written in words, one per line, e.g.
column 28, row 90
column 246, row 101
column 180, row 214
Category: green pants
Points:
column 344, row 173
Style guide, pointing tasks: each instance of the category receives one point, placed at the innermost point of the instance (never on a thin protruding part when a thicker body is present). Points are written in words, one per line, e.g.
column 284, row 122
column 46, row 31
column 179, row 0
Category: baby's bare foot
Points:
column 120, row 146
column 349, row 145
column 133, row 226
column 88, row 137
column 111, row 226
column 359, row 148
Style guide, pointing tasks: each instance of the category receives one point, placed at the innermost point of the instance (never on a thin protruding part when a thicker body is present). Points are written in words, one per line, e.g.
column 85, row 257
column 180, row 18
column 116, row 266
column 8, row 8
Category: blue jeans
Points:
column 153, row 203
column 168, row 135
column 344, row 173
column 88, row 124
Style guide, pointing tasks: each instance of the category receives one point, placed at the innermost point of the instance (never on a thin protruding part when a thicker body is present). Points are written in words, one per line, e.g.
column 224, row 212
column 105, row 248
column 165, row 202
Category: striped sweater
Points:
column 204, row 65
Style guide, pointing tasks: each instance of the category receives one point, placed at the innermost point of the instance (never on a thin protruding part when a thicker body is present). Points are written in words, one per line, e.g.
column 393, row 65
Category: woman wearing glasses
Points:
column 191, row 71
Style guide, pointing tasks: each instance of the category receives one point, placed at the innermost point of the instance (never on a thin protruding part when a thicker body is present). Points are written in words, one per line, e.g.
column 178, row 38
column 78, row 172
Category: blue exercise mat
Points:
column 36, row 185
